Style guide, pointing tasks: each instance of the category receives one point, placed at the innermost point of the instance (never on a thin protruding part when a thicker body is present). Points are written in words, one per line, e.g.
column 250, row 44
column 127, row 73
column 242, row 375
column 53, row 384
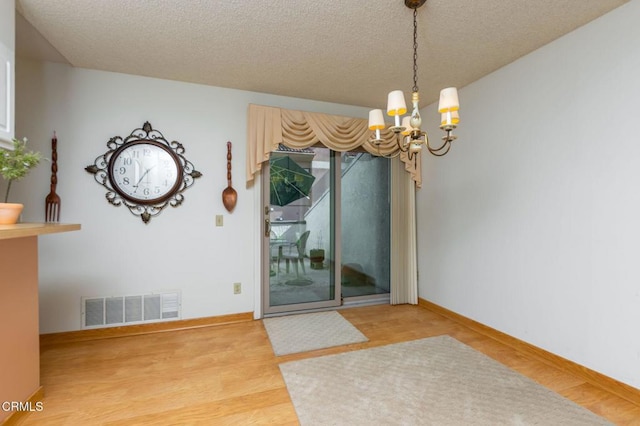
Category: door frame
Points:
column 265, row 250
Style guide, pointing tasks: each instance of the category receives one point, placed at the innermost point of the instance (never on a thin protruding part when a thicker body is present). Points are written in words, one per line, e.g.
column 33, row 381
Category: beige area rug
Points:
column 433, row 381
column 308, row 332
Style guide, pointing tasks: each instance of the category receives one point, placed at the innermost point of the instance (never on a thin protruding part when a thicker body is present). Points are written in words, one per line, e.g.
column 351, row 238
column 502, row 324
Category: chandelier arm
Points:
column 438, row 151
column 387, row 156
column 391, row 156
column 444, row 144
column 413, row 156
column 380, row 154
column 401, row 144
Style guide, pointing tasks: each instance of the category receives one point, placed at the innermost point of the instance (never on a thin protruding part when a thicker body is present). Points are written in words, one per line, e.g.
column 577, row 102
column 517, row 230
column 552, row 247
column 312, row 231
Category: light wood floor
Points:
column 228, row 374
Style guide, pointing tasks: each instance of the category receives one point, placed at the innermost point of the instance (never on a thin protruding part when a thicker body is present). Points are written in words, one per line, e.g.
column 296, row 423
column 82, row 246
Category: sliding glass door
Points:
column 365, row 226
column 326, row 228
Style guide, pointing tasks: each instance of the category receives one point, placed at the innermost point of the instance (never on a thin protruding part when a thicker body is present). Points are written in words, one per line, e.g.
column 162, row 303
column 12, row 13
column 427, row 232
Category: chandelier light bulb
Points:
column 376, row 122
column 396, row 107
column 449, row 120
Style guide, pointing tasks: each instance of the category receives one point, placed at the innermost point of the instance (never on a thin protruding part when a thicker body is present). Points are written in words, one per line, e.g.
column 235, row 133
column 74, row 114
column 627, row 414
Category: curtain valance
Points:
column 267, row 127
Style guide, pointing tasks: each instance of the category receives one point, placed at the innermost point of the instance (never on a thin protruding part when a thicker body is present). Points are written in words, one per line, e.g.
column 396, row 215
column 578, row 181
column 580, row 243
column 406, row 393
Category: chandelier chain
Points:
column 415, row 49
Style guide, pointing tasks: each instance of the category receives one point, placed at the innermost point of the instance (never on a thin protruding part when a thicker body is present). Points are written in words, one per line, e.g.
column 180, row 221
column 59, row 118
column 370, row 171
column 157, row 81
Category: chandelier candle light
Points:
column 410, row 137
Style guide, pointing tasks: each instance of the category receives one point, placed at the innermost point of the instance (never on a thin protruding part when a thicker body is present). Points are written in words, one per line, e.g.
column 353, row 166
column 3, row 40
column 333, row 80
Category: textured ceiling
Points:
column 349, row 52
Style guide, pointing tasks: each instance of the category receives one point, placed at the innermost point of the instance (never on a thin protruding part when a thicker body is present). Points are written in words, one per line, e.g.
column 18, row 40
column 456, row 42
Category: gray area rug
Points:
column 433, row 381
column 308, row 332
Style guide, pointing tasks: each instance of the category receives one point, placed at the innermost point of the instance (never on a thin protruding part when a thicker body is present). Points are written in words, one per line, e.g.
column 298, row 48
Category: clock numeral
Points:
column 157, row 190
column 127, row 161
column 126, row 181
column 146, row 152
column 123, row 170
column 146, row 191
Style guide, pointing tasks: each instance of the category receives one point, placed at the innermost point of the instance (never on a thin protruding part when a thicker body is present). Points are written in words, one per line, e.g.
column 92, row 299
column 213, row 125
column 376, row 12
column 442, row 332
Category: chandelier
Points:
column 409, row 136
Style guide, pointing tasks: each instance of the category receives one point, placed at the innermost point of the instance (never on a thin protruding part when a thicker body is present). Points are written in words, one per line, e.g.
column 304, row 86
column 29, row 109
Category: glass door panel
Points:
column 366, row 228
column 300, row 187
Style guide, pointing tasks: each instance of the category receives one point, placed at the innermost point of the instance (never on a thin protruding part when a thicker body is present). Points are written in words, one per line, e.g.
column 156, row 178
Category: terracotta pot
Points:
column 10, row 212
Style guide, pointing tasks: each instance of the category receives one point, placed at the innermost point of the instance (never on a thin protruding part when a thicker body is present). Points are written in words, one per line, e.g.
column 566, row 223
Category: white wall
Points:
column 8, row 27
column 531, row 224
column 115, row 253
column 7, row 56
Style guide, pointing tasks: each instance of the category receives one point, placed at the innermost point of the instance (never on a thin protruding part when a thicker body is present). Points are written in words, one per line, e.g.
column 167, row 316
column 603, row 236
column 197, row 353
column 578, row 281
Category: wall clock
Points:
column 144, row 171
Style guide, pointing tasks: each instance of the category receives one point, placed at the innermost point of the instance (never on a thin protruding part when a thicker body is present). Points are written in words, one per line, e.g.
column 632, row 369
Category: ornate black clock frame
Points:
column 144, row 171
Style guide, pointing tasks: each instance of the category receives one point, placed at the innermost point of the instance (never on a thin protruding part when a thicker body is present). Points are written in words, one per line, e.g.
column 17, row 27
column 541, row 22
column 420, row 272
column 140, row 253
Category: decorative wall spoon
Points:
column 229, row 195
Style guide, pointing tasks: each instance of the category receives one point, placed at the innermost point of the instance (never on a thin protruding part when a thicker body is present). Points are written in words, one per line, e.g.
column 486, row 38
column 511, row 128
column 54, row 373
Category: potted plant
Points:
column 316, row 255
column 14, row 165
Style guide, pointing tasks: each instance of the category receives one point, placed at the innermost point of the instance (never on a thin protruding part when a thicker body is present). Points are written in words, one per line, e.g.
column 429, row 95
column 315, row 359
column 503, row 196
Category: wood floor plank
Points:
column 228, row 374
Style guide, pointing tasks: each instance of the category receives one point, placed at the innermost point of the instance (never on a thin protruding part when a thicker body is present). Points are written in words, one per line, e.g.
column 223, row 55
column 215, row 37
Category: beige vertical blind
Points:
column 404, row 267
column 267, row 127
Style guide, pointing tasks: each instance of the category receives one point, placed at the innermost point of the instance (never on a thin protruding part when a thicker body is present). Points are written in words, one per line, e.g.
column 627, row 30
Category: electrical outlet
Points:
column 237, row 288
column 219, row 220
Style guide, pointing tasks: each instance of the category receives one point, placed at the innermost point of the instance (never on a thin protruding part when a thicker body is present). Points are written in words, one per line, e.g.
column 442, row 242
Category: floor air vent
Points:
column 125, row 310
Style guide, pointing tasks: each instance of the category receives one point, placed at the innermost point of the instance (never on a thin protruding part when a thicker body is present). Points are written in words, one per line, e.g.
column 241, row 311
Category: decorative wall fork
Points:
column 52, row 202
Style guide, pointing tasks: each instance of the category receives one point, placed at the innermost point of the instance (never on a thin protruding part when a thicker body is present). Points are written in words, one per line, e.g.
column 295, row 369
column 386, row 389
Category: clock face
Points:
column 145, row 172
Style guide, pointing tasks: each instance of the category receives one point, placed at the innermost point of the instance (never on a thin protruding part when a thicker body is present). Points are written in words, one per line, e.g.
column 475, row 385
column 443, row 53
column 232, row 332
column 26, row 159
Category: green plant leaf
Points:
column 16, row 164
